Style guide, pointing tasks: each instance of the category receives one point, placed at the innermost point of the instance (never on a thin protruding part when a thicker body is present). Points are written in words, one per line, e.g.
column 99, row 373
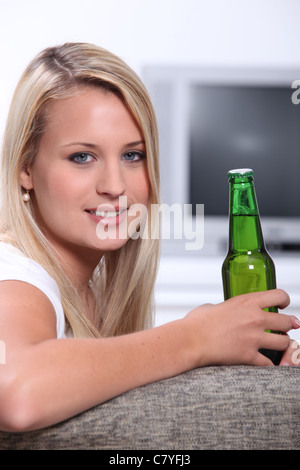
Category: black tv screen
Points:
column 245, row 126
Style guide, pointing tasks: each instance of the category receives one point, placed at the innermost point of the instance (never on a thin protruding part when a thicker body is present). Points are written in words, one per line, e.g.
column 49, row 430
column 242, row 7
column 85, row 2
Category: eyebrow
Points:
column 89, row 145
column 133, row 144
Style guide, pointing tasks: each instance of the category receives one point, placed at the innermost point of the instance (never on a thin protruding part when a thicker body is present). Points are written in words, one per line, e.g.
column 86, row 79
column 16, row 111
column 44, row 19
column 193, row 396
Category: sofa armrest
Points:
column 236, row 407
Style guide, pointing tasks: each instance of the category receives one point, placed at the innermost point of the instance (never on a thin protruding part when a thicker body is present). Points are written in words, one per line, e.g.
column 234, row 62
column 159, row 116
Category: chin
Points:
column 110, row 245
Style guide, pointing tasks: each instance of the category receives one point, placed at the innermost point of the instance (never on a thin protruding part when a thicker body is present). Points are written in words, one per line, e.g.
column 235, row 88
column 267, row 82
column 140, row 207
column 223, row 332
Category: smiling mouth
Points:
column 104, row 213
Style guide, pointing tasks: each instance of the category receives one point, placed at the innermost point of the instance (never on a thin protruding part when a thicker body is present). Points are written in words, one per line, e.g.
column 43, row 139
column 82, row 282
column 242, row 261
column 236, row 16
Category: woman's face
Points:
column 89, row 173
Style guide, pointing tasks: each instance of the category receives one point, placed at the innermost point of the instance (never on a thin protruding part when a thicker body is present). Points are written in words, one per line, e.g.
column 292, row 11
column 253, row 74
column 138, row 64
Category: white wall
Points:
column 231, row 32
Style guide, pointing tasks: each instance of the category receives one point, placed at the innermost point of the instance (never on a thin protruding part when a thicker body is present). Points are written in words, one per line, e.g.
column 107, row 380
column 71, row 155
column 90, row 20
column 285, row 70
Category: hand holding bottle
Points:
column 234, row 331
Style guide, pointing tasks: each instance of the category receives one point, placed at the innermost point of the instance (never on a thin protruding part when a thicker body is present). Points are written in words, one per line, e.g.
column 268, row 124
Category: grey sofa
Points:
column 213, row 408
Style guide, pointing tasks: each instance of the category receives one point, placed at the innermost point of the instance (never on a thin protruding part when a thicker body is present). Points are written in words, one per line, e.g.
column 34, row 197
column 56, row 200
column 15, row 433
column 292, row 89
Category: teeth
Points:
column 107, row 213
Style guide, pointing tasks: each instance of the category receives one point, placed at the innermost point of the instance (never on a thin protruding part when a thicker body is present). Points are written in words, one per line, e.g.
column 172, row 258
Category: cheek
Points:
column 142, row 188
column 46, row 187
column 53, row 188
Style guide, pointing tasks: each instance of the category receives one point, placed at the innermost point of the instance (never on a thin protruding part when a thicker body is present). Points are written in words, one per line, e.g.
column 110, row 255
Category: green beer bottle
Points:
column 248, row 266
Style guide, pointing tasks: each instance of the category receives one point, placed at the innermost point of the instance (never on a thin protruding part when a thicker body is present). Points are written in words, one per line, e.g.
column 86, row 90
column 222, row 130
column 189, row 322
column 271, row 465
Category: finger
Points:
column 281, row 322
column 275, row 341
column 262, row 361
column 295, row 322
column 278, row 322
column 273, row 298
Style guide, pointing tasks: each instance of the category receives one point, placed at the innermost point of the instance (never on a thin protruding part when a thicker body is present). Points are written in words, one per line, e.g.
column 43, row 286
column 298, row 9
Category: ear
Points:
column 25, row 178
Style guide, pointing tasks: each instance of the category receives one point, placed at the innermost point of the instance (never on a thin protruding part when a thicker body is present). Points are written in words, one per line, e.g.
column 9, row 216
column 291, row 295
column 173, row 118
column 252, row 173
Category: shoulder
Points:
column 16, row 266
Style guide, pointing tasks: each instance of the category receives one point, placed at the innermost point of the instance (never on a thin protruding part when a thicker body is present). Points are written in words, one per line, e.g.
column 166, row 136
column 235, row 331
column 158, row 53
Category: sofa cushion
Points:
column 236, row 407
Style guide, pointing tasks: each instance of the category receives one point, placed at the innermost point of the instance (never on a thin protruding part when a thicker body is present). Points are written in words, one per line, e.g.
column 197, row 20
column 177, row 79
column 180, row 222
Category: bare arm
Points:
column 47, row 380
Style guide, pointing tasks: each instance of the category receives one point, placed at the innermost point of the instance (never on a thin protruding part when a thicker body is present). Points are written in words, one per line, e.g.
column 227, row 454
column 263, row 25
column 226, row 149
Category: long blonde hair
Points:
column 124, row 279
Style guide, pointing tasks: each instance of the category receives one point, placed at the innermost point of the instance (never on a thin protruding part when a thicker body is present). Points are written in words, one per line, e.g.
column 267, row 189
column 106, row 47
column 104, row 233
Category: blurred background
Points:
column 220, row 75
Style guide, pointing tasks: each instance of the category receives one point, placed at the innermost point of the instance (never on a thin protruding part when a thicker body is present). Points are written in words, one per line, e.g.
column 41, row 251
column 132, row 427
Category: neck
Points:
column 79, row 265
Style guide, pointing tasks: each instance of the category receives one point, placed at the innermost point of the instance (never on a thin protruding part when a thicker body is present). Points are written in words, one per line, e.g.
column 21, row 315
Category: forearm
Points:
column 57, row 379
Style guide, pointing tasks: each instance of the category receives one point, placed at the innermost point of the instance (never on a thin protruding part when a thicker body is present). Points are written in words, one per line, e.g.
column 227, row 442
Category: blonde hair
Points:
column 124, row 279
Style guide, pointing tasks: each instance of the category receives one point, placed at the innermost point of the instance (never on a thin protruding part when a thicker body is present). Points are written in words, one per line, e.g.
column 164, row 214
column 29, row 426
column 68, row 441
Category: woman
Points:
column 78, row 264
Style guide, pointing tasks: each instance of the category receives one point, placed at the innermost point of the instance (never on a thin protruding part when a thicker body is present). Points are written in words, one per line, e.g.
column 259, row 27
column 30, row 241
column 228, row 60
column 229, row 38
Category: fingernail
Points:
column 284, row 363
column 297, row 321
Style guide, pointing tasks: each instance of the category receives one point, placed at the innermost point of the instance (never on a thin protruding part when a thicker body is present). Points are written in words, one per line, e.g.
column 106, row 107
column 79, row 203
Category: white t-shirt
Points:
column 15, row 266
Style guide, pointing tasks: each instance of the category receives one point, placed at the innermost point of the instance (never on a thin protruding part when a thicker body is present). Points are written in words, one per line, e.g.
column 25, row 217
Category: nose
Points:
column 111, row 182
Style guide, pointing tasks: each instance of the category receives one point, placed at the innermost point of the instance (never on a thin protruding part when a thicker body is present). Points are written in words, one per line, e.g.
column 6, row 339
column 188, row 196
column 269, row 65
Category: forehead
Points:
column 87, row 100
column 89, row 108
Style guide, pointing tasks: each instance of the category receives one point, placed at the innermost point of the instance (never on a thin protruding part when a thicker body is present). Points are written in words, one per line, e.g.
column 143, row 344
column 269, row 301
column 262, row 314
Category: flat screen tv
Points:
column 212, row 120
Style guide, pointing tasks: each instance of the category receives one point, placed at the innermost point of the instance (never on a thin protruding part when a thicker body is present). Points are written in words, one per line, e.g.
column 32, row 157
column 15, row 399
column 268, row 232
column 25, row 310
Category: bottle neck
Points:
column 245, row 232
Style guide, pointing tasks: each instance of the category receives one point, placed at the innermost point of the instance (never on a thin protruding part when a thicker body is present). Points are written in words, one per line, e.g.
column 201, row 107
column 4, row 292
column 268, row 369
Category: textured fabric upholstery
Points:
column 235, row 407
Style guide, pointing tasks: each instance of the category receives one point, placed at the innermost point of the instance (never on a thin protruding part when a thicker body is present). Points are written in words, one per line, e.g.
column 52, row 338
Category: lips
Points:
column 106, row 212
column 108, row 216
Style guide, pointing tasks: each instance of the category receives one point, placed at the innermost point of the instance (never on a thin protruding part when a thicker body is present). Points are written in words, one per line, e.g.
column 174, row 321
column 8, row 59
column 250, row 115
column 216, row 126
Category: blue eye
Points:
column 81, row 157
column 134, row 156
